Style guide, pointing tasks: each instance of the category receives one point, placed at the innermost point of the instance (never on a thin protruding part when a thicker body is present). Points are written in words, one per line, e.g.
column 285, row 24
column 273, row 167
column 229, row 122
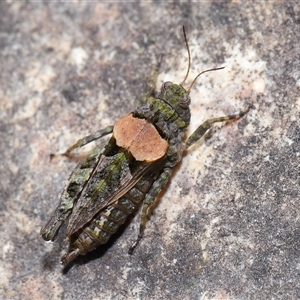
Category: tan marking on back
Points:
column 140, row 138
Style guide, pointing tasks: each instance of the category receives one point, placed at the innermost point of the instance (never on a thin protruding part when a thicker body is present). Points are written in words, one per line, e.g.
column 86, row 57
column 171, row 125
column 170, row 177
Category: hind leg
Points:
column 148, row 202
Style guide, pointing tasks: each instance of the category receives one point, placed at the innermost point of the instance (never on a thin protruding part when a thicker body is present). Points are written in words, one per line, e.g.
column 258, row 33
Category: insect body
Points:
column 114, row 180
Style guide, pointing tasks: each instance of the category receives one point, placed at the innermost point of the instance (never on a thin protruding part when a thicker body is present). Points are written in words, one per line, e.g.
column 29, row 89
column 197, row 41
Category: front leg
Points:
column 200, row 131
column 150, row 84
column 148, row 202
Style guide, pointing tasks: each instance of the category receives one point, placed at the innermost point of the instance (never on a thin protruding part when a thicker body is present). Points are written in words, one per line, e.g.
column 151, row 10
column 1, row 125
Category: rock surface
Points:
column 227, row 225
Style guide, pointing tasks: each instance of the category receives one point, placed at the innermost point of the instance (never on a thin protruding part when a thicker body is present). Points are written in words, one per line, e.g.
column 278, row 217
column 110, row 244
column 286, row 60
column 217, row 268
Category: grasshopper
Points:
column 115, row 179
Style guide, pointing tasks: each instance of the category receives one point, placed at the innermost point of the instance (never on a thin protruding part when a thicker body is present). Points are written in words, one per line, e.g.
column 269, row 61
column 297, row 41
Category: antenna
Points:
column 214, row 69
column 188, row 49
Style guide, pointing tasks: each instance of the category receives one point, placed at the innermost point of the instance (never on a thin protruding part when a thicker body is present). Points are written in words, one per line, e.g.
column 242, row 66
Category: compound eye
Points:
column 185, row 101
column 166, row 85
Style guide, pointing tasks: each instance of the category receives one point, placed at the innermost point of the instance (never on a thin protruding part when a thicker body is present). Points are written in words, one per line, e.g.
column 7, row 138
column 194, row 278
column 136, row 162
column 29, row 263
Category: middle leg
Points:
column 200, row 131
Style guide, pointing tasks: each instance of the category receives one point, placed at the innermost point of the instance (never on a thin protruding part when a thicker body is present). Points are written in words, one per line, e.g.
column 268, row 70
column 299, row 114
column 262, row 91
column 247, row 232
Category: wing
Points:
column 113, row 177
column 72, row 190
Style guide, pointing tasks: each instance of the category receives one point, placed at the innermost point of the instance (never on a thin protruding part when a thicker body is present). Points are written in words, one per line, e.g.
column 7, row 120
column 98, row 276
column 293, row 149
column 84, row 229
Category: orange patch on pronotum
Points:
column 140, row 138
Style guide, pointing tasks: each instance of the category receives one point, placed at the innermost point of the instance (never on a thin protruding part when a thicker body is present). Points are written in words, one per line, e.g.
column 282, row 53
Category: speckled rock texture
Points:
column 227, row 225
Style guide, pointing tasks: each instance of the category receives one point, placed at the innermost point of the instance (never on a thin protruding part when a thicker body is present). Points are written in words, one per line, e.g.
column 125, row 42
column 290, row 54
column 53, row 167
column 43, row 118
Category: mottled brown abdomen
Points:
column 106, row 222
